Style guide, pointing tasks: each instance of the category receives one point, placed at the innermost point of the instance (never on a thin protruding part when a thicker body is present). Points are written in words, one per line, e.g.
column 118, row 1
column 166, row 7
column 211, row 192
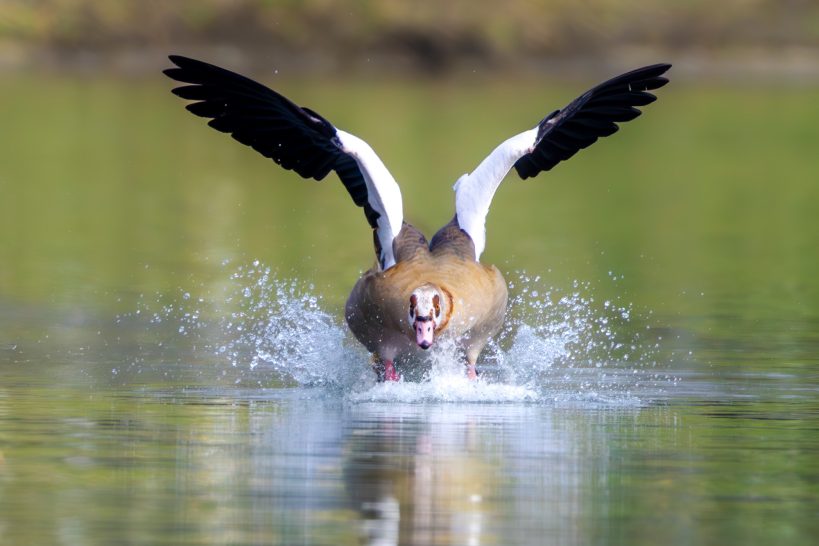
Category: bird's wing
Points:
column 296, row 138
column 557, row 137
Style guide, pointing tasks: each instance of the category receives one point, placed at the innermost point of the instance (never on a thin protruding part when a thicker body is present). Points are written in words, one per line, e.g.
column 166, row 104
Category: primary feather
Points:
column 296, row 138
column 557, row 137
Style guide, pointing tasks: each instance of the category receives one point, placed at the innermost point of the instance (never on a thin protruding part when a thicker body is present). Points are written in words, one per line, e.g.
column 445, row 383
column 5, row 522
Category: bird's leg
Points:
column 390, row 374
column 470, row 369
column 384, row 369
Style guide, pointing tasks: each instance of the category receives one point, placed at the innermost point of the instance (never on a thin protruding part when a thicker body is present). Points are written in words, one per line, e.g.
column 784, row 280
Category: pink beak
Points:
column 424, row 330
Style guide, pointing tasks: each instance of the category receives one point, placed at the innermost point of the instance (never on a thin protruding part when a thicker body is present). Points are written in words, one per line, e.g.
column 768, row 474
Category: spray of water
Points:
column 555, row 346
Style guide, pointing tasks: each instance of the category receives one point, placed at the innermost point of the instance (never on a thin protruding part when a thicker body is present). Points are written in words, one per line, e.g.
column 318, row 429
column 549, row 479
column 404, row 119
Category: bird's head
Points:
column 426, row 309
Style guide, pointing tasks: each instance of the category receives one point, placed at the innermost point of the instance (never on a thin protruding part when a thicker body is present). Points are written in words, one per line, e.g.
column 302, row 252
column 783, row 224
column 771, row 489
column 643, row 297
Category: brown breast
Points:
column 377, row 308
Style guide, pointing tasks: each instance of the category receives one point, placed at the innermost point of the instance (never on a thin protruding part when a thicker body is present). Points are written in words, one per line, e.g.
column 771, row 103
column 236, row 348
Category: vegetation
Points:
column 429, row 34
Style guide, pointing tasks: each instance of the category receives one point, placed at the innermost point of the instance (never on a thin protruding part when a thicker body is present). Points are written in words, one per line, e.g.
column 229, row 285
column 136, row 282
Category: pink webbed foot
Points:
column 390, row 373
column 471, row 373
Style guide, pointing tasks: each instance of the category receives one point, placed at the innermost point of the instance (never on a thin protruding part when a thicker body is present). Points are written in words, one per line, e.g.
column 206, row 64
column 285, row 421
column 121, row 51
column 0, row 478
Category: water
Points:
column 174, row 368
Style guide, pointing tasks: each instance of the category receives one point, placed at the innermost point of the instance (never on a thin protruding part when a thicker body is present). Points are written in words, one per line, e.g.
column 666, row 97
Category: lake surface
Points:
column 174, row 368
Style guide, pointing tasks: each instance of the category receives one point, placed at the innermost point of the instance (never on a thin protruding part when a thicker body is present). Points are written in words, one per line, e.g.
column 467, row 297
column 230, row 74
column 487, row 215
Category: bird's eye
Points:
column 436, row 303
column 413, row 303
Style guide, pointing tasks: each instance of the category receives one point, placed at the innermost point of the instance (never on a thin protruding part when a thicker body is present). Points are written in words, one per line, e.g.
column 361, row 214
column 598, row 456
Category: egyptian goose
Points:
column 418, row 291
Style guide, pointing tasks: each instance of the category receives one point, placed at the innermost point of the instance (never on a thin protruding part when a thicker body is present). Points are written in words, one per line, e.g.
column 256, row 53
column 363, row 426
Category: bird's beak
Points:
column 424, row 331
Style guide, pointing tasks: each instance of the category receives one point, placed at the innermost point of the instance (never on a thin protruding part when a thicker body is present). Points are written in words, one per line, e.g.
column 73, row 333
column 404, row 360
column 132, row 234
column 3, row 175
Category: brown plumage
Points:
column 474, row 305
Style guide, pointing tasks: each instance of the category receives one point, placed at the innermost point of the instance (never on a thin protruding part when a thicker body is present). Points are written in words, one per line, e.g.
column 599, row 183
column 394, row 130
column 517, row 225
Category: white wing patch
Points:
column 383, row 193
column 474, row 191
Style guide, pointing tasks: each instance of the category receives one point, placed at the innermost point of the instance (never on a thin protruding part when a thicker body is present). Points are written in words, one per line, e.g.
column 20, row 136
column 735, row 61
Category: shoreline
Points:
column 788, row 64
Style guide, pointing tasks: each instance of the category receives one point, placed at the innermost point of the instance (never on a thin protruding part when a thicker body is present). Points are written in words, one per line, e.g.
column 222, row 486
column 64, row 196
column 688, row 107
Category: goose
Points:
column 418, row 291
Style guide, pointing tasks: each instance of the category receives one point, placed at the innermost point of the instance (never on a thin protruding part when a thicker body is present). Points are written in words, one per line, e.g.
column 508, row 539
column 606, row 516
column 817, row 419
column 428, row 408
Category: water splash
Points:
column 280, row 324
column 565, row 345
column 556, row 346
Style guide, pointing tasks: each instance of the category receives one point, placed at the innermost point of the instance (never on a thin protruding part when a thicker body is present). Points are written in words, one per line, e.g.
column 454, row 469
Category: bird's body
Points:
column 474, row 296
column 419, row 291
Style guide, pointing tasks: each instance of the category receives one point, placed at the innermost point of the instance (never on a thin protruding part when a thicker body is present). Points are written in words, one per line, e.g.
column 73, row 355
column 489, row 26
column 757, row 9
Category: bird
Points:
column 419, row 291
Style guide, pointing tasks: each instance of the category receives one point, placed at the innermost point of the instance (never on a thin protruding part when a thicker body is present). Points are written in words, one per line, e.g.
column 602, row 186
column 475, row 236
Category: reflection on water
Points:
column 304, row 466
column 464, row 474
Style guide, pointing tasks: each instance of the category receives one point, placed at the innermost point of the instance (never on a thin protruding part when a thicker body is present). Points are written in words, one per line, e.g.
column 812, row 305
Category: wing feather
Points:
column 613, row 101
column 560, row 135
column 294, row 137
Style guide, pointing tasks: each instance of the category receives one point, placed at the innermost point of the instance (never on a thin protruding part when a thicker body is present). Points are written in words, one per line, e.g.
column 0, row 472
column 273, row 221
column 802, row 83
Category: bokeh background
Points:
column 330, row 36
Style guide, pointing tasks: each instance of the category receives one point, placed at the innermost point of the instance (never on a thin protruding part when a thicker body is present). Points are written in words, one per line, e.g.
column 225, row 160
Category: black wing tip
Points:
column 181, row 60
column 187, row 69
column 183, row 68
column 179, row 63
column 639, row 80
column 652, row 70
column 231, row 100
column 659, row 66
column 172, row 72
column 650, row 73
column 181, row 91
column 594, row 114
